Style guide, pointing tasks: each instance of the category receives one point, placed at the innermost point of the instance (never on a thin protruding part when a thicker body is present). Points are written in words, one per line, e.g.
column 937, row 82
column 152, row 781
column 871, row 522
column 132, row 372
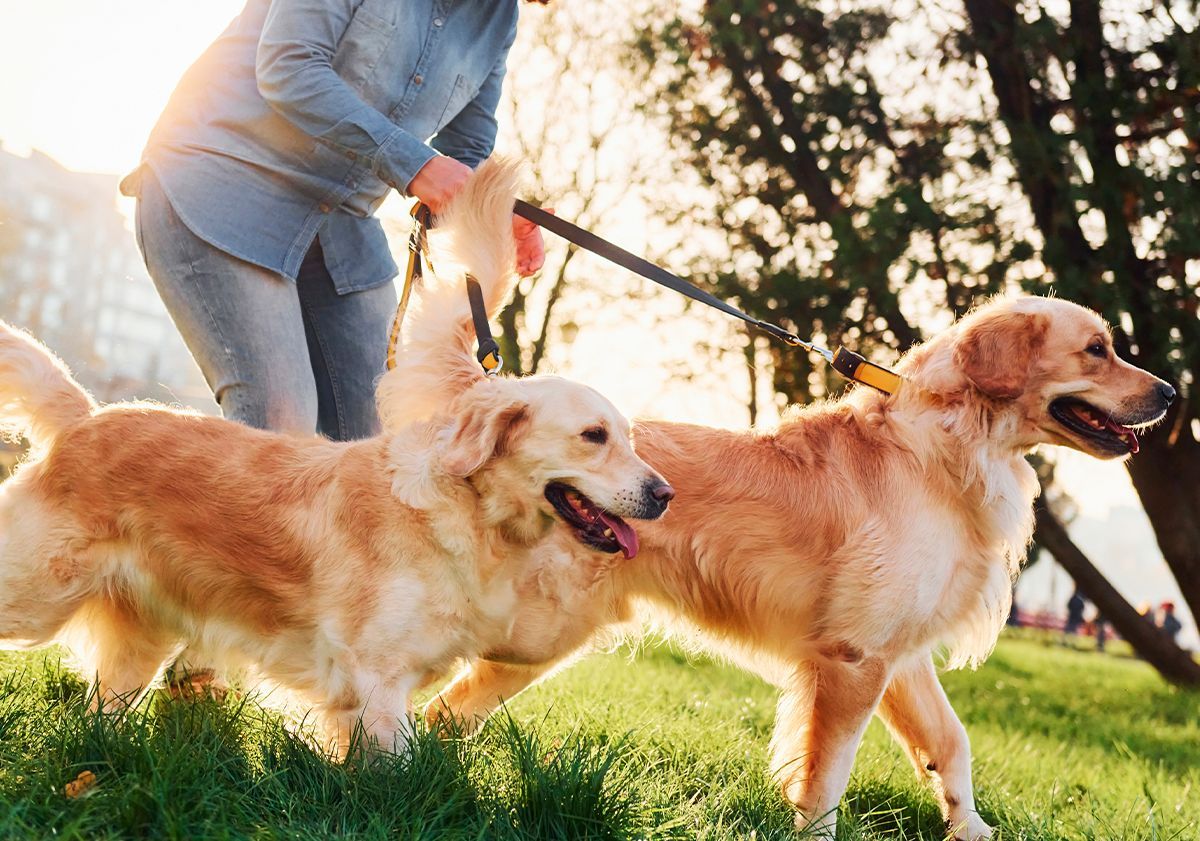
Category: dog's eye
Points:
column 1098, row 350
column 595, row 434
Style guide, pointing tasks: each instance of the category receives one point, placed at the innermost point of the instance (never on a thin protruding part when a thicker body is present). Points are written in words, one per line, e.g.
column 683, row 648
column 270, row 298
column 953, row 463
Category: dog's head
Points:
column 1052, row 364
column 557, row 447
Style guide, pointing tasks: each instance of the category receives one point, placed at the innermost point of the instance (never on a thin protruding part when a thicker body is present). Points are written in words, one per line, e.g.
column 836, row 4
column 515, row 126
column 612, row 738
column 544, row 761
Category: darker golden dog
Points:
column 835, row 555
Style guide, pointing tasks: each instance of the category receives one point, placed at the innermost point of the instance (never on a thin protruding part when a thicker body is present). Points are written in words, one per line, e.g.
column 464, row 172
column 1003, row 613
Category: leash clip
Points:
column 854, row 366
column 490, row 360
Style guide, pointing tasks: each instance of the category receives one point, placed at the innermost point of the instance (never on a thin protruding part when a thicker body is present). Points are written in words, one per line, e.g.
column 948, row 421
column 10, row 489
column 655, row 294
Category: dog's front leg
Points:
column 372, row 714
column 916, row 710
column 819, row 723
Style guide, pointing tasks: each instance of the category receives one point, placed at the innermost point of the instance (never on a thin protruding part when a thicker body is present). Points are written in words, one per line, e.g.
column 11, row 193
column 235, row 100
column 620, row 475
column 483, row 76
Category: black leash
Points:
column 639, row 265
column 850, row 365
column 488, row 352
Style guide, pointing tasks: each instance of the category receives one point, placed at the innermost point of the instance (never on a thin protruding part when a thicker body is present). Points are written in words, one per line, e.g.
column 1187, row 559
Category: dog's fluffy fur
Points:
column 835, row 555
column 349, row 573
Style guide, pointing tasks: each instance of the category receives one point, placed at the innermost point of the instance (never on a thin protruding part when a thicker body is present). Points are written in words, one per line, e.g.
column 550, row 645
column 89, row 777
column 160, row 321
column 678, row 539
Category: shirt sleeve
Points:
column 471, row 135
column 294, row 71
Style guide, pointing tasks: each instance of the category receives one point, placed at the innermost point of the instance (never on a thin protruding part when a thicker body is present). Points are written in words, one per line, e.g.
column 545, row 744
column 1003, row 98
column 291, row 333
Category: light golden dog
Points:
column 835, row 555
column 349, row 573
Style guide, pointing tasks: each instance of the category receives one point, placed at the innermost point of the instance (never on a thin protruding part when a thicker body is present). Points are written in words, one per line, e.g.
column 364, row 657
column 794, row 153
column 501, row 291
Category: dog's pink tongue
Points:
column 1125, row 432
column 625, row 534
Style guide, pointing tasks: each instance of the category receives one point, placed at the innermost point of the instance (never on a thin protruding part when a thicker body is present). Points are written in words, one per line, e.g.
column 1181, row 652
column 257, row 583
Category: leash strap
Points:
column 850, row 365
column 847, row 363
column 413, row 272
column 641, row 266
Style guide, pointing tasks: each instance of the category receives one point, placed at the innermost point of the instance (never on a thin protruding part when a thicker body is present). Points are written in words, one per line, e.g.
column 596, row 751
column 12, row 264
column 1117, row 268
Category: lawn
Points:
column 1068, row 745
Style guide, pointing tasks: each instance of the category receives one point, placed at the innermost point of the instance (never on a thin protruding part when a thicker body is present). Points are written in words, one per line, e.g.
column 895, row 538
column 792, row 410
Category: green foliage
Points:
column 833, row 193
column 1068, row 745
column 859, row 152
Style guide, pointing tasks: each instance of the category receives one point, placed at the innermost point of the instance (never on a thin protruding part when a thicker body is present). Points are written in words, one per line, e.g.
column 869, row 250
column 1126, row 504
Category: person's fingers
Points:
column 522, row 227
column 531, row 253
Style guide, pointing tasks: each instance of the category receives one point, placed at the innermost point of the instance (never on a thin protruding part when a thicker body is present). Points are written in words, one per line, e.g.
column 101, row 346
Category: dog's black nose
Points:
column 1167, row 392
column 663, row 493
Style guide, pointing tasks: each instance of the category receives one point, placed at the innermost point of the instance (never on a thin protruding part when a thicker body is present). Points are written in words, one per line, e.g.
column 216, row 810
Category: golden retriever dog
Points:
column 349, row 573
column 835, row 555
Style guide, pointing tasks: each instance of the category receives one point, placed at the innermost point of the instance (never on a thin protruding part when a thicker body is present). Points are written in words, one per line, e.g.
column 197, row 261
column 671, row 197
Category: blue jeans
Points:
column 291, row 357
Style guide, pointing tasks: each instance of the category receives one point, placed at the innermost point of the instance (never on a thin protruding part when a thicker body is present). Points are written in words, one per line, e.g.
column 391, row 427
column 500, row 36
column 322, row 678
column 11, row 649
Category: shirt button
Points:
column 352, row 155
column 418, row 79
column 438, row 21
column 324, row 208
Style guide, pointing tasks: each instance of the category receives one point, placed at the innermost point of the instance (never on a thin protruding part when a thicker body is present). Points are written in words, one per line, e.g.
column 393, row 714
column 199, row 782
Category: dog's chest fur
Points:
column 972, row 553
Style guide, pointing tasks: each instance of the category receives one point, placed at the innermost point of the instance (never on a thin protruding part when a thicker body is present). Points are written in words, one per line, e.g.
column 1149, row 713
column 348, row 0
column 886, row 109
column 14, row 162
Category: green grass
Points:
column 1068, row 745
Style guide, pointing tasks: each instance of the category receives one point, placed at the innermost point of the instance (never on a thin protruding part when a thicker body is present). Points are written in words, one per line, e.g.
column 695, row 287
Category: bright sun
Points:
column 84, row 82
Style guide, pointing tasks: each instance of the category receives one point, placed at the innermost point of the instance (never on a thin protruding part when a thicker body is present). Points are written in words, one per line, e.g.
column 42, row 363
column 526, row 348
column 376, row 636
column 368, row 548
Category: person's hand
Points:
column 436, row 183
column 531, row 251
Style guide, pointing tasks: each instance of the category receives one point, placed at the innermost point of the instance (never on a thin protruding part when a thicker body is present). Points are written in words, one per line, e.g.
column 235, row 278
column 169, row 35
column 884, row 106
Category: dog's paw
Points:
column 823, row 827
column 970, row 828
column 202, row 684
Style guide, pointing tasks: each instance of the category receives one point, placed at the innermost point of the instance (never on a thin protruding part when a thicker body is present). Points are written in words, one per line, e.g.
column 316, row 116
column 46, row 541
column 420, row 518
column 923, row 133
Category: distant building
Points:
column 71, row 273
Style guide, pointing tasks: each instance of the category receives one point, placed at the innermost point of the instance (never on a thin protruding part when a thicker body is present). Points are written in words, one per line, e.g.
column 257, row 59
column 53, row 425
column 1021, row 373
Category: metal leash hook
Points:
column 851, row 365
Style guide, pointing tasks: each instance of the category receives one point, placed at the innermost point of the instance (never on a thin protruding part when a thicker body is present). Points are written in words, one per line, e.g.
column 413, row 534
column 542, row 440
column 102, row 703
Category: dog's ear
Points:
column 489, row 426
column 997, row 350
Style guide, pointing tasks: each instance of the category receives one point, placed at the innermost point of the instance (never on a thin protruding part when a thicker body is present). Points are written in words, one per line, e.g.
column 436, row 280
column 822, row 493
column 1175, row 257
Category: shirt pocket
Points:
column 461, row 94
column 364, row 42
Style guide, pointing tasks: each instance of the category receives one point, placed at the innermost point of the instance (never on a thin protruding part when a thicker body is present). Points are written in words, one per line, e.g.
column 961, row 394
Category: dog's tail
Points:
column 435, row 361
column 38, row 396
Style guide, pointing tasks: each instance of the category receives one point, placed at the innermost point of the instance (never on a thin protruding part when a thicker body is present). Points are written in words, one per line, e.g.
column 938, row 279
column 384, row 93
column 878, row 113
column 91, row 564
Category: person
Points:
column 1170, row 624
column 257, row 190
column 1075, row 606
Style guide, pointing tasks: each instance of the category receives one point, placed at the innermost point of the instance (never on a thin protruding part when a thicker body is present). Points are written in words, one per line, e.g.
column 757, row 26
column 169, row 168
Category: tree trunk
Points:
column 1172, row 662
column 1166, row 474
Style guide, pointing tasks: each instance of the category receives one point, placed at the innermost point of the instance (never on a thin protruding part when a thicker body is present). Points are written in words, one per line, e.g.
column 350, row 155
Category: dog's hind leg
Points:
column 45, row 570
column 919, row 715
column 479, row 689
column 818, row 725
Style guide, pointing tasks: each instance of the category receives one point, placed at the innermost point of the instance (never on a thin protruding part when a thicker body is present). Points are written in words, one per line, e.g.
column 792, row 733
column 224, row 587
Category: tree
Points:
column 565, row 118
column 862, row 167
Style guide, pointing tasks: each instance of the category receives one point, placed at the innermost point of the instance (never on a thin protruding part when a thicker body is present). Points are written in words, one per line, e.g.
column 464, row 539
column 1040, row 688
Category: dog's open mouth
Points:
column 592, row 524
column 1094, row 425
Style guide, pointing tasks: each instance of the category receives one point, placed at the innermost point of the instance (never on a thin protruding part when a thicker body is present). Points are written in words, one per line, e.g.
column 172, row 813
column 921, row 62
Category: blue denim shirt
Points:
column 303, row 114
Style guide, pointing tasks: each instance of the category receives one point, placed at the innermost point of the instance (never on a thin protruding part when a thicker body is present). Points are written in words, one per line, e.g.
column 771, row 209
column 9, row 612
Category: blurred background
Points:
column 857, row 172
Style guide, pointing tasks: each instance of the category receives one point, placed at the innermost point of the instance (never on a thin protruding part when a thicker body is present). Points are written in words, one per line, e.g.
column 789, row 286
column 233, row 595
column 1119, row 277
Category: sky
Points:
column 84, row 82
